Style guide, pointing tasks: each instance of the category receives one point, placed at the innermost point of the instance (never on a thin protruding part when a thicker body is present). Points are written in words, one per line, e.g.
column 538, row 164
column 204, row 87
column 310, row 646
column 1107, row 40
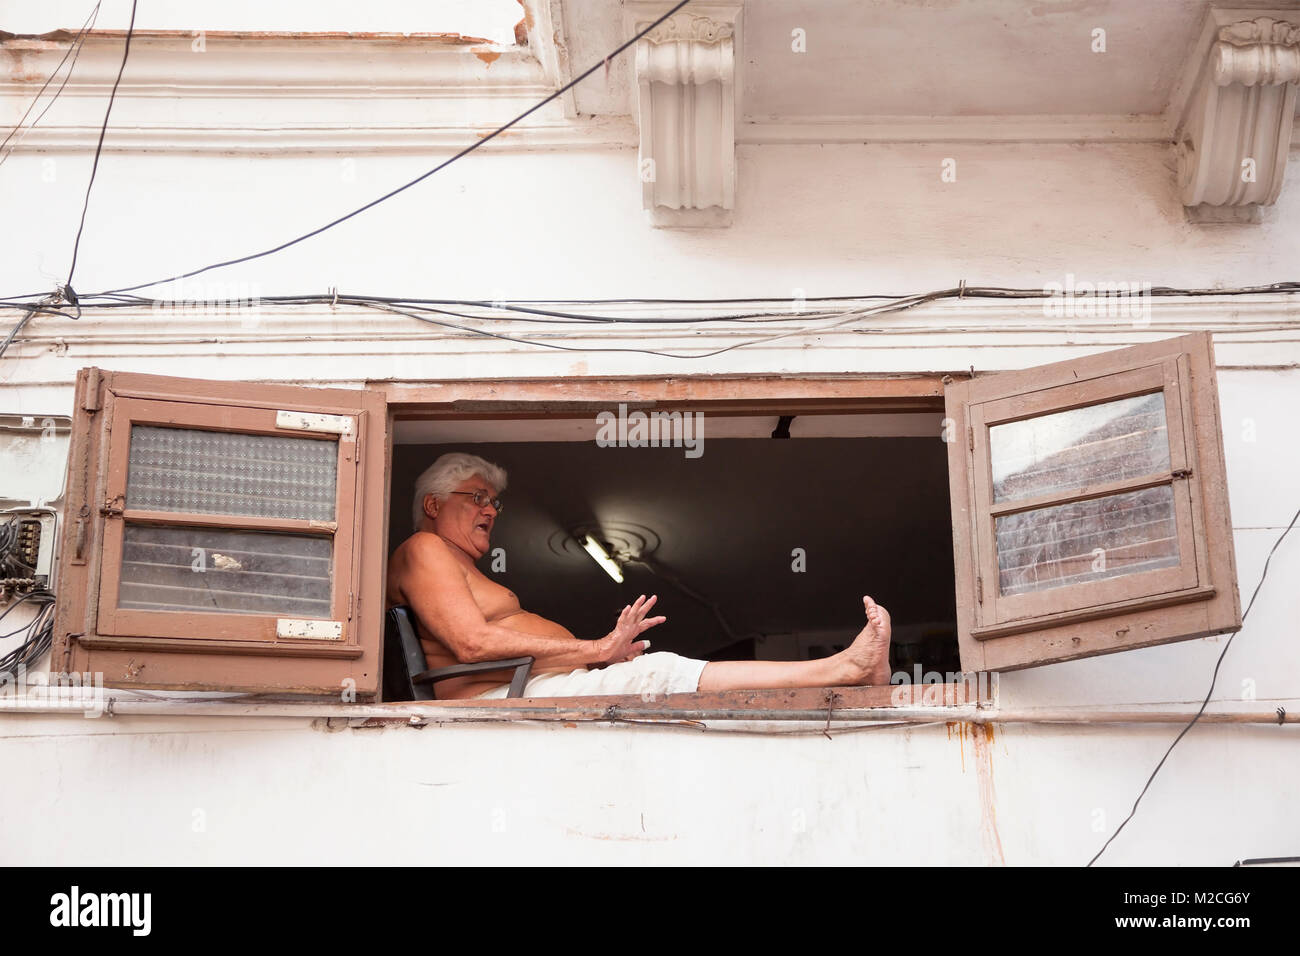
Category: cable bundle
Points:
column 39, row 635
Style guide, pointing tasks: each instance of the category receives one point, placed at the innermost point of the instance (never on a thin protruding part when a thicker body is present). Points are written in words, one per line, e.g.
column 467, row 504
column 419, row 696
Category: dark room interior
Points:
column 757, row 548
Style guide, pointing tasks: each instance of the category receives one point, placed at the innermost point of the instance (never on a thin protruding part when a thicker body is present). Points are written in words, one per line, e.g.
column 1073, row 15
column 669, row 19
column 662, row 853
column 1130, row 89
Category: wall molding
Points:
column 1237, row 105
column 269, row 94
column 308, row 93
column 687, row 82
column 311, row 345
column 315, row 327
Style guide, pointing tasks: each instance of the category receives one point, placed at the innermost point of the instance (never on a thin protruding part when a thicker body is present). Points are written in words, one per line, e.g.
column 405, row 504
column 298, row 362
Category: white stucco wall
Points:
column 827, row 220
column 234, row 791
column 832, row 220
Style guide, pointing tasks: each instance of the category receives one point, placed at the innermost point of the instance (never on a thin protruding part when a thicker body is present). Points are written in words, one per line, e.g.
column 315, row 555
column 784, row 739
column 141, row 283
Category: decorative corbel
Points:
column 1235, row 130
column 686, row 81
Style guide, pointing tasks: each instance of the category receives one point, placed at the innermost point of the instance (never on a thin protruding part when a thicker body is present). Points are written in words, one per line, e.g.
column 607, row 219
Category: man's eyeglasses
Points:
column 481, row 498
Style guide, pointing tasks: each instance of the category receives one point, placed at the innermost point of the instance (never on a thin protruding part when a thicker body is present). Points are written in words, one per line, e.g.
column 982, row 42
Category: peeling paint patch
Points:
column 524, row 25
column 329, row 725
column 487, row 56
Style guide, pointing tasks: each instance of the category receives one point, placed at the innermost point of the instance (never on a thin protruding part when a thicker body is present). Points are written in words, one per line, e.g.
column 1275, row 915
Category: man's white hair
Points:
column 441, row 478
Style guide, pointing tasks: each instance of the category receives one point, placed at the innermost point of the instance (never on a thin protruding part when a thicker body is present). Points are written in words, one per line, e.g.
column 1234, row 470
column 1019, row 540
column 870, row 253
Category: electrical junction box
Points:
column 33, row 475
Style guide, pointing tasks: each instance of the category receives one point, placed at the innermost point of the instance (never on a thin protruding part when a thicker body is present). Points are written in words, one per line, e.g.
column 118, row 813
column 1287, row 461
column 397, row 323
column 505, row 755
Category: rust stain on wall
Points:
column 961, row 739
column 487, row 56
column 981, row 736
column 982, row 740
column 17, row 69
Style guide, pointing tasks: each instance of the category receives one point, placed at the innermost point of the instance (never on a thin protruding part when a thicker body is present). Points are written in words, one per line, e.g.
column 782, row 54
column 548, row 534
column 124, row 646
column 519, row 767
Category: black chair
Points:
column 406, row 676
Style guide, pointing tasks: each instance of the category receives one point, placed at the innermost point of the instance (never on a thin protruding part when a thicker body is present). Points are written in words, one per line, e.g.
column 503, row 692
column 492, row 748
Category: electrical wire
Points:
column 518, row 311
column 74, row 51
column 94, row 168
column 425, row 315
column 37, row 596
column 423, row 176
column 40, row 634
column 1208, row 693
column 528, row 306
column 423, row 309
column 852, row 317
column 29, row 311
column 969, row 292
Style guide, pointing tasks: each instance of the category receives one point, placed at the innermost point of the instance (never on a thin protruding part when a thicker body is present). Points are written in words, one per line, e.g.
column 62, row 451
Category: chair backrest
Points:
column 403, row 657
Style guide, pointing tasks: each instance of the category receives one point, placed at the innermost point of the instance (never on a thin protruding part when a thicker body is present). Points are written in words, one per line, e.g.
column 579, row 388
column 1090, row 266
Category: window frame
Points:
column 229, row 627
column 997, row 613
column 1103, row 616
column 237, row 652
column 774, row 395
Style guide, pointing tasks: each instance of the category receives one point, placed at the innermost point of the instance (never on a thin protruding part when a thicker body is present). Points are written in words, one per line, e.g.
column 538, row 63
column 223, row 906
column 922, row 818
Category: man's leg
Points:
column 865, row 661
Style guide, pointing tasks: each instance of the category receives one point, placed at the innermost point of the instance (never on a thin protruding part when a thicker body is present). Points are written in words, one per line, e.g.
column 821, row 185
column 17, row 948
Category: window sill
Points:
column 829, row 705
column 739, row 710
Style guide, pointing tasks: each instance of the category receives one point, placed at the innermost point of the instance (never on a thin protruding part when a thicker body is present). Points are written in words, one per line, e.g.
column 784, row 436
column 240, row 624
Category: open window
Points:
column 759, row 532
column 1090, row 506
column 214, row 536
column 231, row 536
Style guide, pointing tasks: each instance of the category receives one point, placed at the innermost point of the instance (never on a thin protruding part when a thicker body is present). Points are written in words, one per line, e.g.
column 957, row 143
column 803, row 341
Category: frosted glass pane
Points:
column 233, row 572
column 1082, row 446
column 1087, row 540
column 229, row 473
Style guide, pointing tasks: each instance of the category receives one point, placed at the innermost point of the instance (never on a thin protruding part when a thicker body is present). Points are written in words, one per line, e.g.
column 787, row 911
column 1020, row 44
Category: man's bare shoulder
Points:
column 419, row 561
column 425, row 548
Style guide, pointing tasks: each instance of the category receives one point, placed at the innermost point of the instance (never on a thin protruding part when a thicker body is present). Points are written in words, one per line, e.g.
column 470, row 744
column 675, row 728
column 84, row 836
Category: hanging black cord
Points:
column 29, row 311
column 1208, row 693
column 74, row 51
column 40, row 634
column 423, row 176
column 126, row 51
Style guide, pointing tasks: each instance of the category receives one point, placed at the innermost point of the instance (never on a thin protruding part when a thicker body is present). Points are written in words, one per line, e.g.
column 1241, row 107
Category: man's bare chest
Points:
column 494, row 600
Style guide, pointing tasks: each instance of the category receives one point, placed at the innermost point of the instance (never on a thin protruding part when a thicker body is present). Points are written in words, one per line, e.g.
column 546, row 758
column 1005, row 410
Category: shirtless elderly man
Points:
column 464, row 616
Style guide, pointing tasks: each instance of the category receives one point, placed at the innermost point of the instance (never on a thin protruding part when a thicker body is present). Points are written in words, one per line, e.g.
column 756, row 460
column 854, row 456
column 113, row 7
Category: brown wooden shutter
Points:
column 1090, row 506
column 223, row 536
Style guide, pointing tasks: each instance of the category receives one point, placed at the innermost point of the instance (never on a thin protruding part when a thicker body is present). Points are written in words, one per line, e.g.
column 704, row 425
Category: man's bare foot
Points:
column 866, row 660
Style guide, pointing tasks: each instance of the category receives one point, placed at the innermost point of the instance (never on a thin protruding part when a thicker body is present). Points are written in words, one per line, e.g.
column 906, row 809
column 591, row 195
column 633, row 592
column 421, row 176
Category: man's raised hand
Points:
column 622, row 644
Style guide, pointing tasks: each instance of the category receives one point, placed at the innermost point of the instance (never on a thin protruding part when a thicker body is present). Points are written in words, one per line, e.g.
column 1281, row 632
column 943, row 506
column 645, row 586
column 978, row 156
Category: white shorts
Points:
column 659, row 673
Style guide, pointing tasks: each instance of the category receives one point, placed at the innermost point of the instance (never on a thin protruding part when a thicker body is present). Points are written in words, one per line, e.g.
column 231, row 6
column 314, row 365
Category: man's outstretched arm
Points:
column 443, row 603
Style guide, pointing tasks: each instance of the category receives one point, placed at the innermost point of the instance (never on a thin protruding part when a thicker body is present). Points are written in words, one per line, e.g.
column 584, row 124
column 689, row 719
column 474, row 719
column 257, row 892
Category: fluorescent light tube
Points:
column 601, row 557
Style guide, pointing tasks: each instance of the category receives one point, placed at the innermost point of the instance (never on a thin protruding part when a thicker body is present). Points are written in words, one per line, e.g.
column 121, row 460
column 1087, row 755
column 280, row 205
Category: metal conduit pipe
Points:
column 446, row 712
